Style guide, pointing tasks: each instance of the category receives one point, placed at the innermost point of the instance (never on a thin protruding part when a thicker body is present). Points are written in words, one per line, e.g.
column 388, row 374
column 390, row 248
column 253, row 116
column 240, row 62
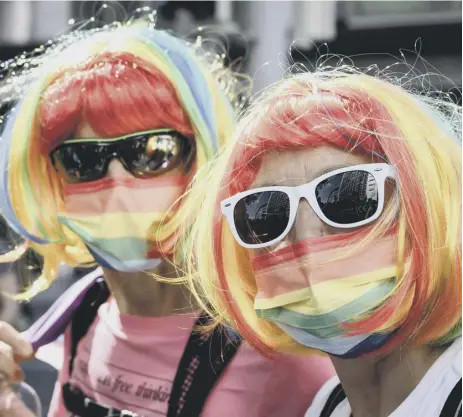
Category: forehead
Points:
column 85, row 131
column 297, row 166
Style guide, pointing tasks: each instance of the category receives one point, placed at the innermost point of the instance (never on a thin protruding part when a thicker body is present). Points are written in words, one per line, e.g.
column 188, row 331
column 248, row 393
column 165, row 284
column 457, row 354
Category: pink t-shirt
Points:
column 129, row 362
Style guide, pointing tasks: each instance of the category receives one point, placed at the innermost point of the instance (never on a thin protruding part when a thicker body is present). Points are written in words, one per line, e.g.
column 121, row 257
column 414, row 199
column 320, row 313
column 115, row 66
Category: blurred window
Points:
column 363, row 14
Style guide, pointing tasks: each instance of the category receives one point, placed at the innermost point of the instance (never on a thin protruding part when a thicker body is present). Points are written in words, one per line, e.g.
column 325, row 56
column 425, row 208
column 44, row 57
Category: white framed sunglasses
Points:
column 344, row 198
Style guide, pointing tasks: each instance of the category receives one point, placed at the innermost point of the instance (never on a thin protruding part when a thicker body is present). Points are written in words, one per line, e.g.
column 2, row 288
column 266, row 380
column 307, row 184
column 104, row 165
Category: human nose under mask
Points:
column 310, row 288
column 307, row 225
column 115, row 217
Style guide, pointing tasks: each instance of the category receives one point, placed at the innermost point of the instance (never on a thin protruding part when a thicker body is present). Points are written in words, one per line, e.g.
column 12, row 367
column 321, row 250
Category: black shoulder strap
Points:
column 452, row 407
column 205, row 358
column 336, row 397
column 85, row 314
column 203, row 362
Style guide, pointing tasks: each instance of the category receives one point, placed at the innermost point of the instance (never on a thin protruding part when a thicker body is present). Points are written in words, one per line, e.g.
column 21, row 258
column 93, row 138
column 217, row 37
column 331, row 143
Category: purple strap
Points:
column 54, row 322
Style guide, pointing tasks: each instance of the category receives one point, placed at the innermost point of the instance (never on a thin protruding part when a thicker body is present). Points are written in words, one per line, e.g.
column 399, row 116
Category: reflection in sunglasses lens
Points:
column 349, row 197
column 152, row 153
column 81, row 162
column 261, row 217
column 143, row 155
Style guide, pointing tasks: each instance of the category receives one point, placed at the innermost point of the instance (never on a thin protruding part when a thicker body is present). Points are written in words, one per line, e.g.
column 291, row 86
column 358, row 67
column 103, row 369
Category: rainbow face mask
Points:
column 116, row 218
column 310, row 290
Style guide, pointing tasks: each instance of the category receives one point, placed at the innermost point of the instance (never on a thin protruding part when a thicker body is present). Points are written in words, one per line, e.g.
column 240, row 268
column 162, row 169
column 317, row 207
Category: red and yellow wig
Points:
column 419, row 136
column 120, row 79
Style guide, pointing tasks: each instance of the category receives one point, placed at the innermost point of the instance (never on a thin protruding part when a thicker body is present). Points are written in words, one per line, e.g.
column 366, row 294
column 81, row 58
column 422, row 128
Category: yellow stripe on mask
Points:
column 318, row 298
column 113, row 225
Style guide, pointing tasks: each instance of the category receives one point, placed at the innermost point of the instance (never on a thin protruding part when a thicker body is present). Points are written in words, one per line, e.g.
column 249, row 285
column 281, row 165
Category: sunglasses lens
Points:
column 261, row 217
column 349, row 197
column 147, row 155
column 80, row 162
column 143, row 155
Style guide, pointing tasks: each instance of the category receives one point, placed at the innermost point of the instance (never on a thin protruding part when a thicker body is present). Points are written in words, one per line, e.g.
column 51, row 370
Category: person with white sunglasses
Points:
column 332, row 224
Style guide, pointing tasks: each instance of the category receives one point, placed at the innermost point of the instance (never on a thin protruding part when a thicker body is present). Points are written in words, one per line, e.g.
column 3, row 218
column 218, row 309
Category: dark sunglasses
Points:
column 345, row 198
column 144, row 155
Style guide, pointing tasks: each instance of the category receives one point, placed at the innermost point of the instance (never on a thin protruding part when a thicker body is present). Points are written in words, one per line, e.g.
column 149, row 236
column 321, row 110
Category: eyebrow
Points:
column 329, row 169
column 318, row 173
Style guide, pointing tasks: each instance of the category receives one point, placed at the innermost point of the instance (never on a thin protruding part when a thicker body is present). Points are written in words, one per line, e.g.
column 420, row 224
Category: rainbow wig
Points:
column 376, row 117
column 121, row 79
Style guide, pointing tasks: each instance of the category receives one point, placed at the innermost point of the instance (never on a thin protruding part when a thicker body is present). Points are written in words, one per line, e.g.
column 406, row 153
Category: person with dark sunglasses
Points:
column 332, row 223
column 144, row 155
column 96, row 158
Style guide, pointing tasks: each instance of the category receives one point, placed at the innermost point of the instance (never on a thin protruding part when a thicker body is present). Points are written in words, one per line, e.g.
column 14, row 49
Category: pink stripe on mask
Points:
column 314, row 261
column 156, row 195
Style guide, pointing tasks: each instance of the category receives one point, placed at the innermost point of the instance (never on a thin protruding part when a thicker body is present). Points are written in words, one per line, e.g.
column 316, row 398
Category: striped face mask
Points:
column 116, row 218
column 310, row 289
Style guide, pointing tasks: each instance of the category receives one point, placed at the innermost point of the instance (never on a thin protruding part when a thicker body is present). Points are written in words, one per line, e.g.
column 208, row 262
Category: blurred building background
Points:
column 265, row 38
column 374, row 32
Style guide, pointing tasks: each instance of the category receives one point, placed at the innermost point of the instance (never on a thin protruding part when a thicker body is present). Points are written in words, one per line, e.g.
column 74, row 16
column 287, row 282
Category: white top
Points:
column 427, row 399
